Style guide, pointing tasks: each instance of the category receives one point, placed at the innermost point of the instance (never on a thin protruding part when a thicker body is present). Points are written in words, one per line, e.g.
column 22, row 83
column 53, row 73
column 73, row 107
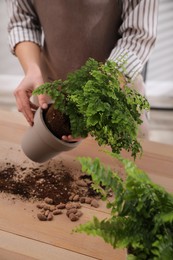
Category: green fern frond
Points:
column 141, row 211
column 106, row 111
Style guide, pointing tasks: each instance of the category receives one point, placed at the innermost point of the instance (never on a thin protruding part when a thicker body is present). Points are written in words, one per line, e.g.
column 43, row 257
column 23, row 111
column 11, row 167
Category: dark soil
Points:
column 57, row 182
column 56, row 122
column 53, row 186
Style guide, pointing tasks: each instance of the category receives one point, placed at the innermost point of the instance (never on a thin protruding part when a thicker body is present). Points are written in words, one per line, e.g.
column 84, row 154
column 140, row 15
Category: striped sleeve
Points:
column 138, row 31
column 23, row 24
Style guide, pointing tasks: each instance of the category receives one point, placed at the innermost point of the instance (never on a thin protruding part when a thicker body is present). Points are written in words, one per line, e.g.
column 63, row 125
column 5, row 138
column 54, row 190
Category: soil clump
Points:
column 56, row 122
column 56, row 188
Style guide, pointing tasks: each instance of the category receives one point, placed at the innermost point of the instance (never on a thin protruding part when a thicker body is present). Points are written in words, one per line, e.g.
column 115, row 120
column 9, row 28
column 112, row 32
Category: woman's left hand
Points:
column 70, row 138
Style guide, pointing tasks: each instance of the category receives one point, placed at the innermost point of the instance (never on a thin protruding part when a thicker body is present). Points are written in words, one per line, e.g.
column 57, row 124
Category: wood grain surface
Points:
column 22, row 236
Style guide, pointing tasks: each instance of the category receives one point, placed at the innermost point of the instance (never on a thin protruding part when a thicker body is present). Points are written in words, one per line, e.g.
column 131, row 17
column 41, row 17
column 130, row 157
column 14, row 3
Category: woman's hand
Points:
column 70, row 138
column 28, row 54
column 23, row 95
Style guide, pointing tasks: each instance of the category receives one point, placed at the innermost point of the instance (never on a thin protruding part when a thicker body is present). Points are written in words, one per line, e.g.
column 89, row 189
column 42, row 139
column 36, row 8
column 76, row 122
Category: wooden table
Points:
column 22, row 236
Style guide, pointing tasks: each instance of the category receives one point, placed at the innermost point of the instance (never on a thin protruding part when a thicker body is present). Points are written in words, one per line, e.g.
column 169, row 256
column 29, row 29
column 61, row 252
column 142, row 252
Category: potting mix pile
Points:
column 55, row 187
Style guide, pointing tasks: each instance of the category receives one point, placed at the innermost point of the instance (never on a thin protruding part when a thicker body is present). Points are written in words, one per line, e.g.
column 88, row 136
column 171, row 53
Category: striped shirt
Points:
column 138, row 31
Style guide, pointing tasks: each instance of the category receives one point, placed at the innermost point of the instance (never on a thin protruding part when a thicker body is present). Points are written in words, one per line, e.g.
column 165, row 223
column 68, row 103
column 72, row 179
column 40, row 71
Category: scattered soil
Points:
column 56, row 122
column 55, row 187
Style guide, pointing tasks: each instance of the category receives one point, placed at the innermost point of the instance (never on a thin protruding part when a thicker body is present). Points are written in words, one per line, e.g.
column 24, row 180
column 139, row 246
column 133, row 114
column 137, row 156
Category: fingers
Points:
column 24, row 104
column 43, row 101
column 70, row 138
column 23, row 94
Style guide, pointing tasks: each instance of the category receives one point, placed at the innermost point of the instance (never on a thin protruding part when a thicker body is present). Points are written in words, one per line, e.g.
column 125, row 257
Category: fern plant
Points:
column 96, row 104
column 141, row 217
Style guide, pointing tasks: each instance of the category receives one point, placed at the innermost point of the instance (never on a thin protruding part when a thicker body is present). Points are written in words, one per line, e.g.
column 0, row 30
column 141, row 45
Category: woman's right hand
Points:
column 29, row 55
column 23, row 95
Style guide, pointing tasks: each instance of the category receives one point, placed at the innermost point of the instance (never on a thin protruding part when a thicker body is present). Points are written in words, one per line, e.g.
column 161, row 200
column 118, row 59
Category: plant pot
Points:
column 39, row 144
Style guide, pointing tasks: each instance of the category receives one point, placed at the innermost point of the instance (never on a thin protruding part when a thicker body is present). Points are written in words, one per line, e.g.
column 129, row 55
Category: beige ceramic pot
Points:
column 39, row 144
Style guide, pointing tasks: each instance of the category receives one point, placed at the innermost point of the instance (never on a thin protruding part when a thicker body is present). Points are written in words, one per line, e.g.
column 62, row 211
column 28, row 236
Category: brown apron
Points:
column 76, row 30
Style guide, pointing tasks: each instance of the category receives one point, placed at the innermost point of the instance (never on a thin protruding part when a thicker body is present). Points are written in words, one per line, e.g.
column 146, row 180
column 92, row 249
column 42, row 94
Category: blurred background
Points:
column 158, row 74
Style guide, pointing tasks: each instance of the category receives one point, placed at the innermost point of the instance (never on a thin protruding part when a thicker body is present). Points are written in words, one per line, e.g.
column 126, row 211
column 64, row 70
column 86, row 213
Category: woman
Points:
column 53, row 38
